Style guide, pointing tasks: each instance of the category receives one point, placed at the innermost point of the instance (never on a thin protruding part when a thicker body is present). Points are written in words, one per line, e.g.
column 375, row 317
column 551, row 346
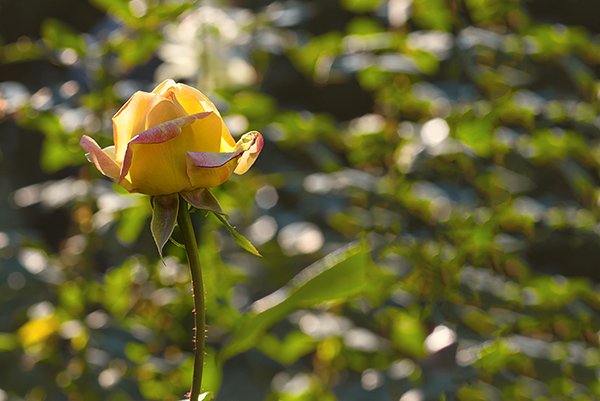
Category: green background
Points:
column 426, row 203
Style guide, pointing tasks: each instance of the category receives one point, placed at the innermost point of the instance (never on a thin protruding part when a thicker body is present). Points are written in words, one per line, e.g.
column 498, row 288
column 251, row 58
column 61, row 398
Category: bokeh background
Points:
column 427, row 202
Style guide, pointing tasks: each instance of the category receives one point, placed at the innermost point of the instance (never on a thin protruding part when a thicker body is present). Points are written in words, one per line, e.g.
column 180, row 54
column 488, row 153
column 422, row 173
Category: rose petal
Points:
column 194, row 101
column 252, row 143
column 103, row 159
column 165, row 85
column 159, row 134
column 163, row 109
column 212, row 159
column 208, row 177
column 130, row 120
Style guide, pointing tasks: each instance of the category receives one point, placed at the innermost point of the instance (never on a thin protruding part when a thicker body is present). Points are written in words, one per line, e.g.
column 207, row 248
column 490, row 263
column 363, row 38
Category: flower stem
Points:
column 191, row 248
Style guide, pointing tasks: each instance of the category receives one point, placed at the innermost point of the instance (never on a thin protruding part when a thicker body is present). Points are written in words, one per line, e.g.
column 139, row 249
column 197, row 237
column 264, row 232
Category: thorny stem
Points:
column 191, row 248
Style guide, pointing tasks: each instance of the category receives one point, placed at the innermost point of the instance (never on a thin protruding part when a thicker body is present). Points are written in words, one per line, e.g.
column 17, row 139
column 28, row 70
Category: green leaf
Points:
column 307, row 57
column 212, row 375
column 338, row 275
column 115, row 7
column 239, row 238
column 57, row 149
column 477, row 134
column 361, row 6
column 287, row 351
column 8, row 342
column 116, row 294
column 408, row 333
column 132, row 221
column 203, row 199
column 432, row 14
column 164, row 218
column 57, row 35
column 55, row 155
column 135, row 52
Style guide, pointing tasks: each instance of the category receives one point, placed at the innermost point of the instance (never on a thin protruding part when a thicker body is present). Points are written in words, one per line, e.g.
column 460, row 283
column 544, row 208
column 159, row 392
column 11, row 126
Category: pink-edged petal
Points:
column 164, row 108
column 252, row 144
column 194, row 101
column 209, row 169
column 101, row 158
column 210, row 175
column 159, row 134
column 212, row 159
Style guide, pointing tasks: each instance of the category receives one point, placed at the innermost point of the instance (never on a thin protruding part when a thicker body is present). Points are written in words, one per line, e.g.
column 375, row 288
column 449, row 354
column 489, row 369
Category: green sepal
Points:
column 202, row 198
column 239, row 238
column 164, row 218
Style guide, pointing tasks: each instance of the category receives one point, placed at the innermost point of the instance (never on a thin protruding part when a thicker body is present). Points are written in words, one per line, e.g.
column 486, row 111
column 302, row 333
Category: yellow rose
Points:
column 170, row 141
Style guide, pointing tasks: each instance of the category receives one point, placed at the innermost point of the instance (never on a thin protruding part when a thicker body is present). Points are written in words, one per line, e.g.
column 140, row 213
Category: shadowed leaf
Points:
column 164, row 217
column 340, row 274
column 203, row 199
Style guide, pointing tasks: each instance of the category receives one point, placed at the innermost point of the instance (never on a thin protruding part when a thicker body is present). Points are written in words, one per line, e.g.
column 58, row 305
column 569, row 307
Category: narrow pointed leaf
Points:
column 203, row 199
column 164, row 218
column 339, row 275
column 239, row 238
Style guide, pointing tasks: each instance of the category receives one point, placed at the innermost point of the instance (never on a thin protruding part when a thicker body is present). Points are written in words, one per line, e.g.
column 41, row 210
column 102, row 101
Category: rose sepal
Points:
column 164, row 218
column 203, row 199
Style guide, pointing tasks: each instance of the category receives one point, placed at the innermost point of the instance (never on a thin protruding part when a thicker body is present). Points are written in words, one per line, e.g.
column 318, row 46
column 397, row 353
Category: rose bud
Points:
column 172, row 140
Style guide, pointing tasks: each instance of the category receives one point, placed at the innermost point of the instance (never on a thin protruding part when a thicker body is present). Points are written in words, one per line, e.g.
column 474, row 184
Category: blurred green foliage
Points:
column 427, row 203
